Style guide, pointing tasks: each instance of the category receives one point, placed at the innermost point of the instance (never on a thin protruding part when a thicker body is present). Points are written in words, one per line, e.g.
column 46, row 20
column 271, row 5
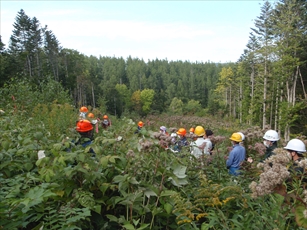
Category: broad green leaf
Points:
column 28, row 166
column 104, row 161
column 149, row 193
column 143, row 226
column 136, row 222
column 168, row 208
column 119, row 178
column 129, row 226
column 97, row 208
column 103, row 188
column 112, row 218
column 179, row 171
column 112, row 158
column 167, row 193
column 132, row 180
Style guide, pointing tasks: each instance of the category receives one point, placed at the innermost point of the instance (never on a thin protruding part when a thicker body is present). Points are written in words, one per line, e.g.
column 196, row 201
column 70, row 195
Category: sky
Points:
column 194, row 31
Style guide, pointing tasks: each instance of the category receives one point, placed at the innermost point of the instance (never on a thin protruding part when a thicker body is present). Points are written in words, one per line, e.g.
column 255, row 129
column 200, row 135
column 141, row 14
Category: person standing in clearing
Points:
column 236, row 156
column 270, row 139
column 198, row 145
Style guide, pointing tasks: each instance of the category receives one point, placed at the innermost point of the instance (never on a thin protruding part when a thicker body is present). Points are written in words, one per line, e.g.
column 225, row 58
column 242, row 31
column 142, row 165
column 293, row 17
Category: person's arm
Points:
column 207, row 147
column 230, row 159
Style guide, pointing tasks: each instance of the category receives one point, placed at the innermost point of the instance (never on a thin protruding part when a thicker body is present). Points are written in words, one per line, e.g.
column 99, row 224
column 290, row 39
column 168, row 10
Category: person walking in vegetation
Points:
column 106, row 122
column 140, row 126
column 94, row 121
column 270, row 139
column 83, row 111
column 85, row 129
column 182, row 140
column 296, row 148
column 236, row 156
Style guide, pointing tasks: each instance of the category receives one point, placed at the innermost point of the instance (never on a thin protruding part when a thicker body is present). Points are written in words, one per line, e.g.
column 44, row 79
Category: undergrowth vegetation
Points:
column 131, row 182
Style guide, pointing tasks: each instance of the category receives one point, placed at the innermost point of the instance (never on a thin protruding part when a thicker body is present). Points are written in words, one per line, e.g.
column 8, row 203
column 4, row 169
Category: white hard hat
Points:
column 242, row 135
column 173, row 135
column 271, row 135
column 163, row 128
column 296, row 145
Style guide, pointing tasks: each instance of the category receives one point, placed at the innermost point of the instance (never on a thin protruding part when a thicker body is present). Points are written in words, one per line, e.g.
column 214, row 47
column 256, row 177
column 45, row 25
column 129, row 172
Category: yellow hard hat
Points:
column 236, row 137
column 199, row 131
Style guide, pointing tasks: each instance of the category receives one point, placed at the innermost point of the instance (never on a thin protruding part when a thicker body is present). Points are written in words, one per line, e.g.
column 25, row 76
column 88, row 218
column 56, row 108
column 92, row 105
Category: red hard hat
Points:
column 91, row 115
column 84, row 126
column 105, row 117
column 140, row 123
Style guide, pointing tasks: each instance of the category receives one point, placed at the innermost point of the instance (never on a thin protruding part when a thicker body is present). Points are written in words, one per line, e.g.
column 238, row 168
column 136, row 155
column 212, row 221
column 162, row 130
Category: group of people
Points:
column 199, row 141
column 237, row 155
column 87, row 123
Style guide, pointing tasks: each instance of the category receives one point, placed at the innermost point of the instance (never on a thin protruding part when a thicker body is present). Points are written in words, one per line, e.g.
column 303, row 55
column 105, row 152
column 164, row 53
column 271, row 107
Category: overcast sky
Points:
column 201, row 31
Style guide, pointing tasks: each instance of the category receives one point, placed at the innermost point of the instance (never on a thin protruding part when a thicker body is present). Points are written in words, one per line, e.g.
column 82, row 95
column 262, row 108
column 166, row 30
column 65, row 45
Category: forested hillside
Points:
column 266, row 86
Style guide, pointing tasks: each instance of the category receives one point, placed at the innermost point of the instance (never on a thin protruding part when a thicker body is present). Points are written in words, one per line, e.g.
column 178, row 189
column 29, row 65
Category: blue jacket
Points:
column 236, row 156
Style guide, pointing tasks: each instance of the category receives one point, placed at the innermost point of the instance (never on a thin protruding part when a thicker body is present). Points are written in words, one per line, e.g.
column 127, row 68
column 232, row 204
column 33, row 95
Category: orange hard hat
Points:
column 84, row 126
column 192, row 130
column 140, row 123
column 83, row 109
column 182, row 132
column 105, row 117
column 91, row 115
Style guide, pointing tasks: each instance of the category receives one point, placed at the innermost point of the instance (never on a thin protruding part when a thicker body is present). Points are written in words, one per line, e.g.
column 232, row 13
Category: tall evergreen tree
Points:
column 264, row 34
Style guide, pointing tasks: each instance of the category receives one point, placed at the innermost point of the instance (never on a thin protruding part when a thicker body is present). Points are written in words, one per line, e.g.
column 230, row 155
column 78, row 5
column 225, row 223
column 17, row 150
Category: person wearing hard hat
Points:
column 106, row 122
column 270, row 139
column 91, row 118
column 236, row 155
column 200, row 146
column 83, row 111
column 296, row 148
column 140, row 126
column 182, row 139
column 85, row 129
column 243, row 138
column 192, row 130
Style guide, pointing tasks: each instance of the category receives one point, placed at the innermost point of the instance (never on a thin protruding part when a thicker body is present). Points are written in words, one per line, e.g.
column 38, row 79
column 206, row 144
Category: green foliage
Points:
column 176, row 106
column 192, row 107
column 147, row 96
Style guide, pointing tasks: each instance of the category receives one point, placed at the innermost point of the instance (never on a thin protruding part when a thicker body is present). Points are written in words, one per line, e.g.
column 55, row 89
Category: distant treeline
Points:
column 265, row 87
